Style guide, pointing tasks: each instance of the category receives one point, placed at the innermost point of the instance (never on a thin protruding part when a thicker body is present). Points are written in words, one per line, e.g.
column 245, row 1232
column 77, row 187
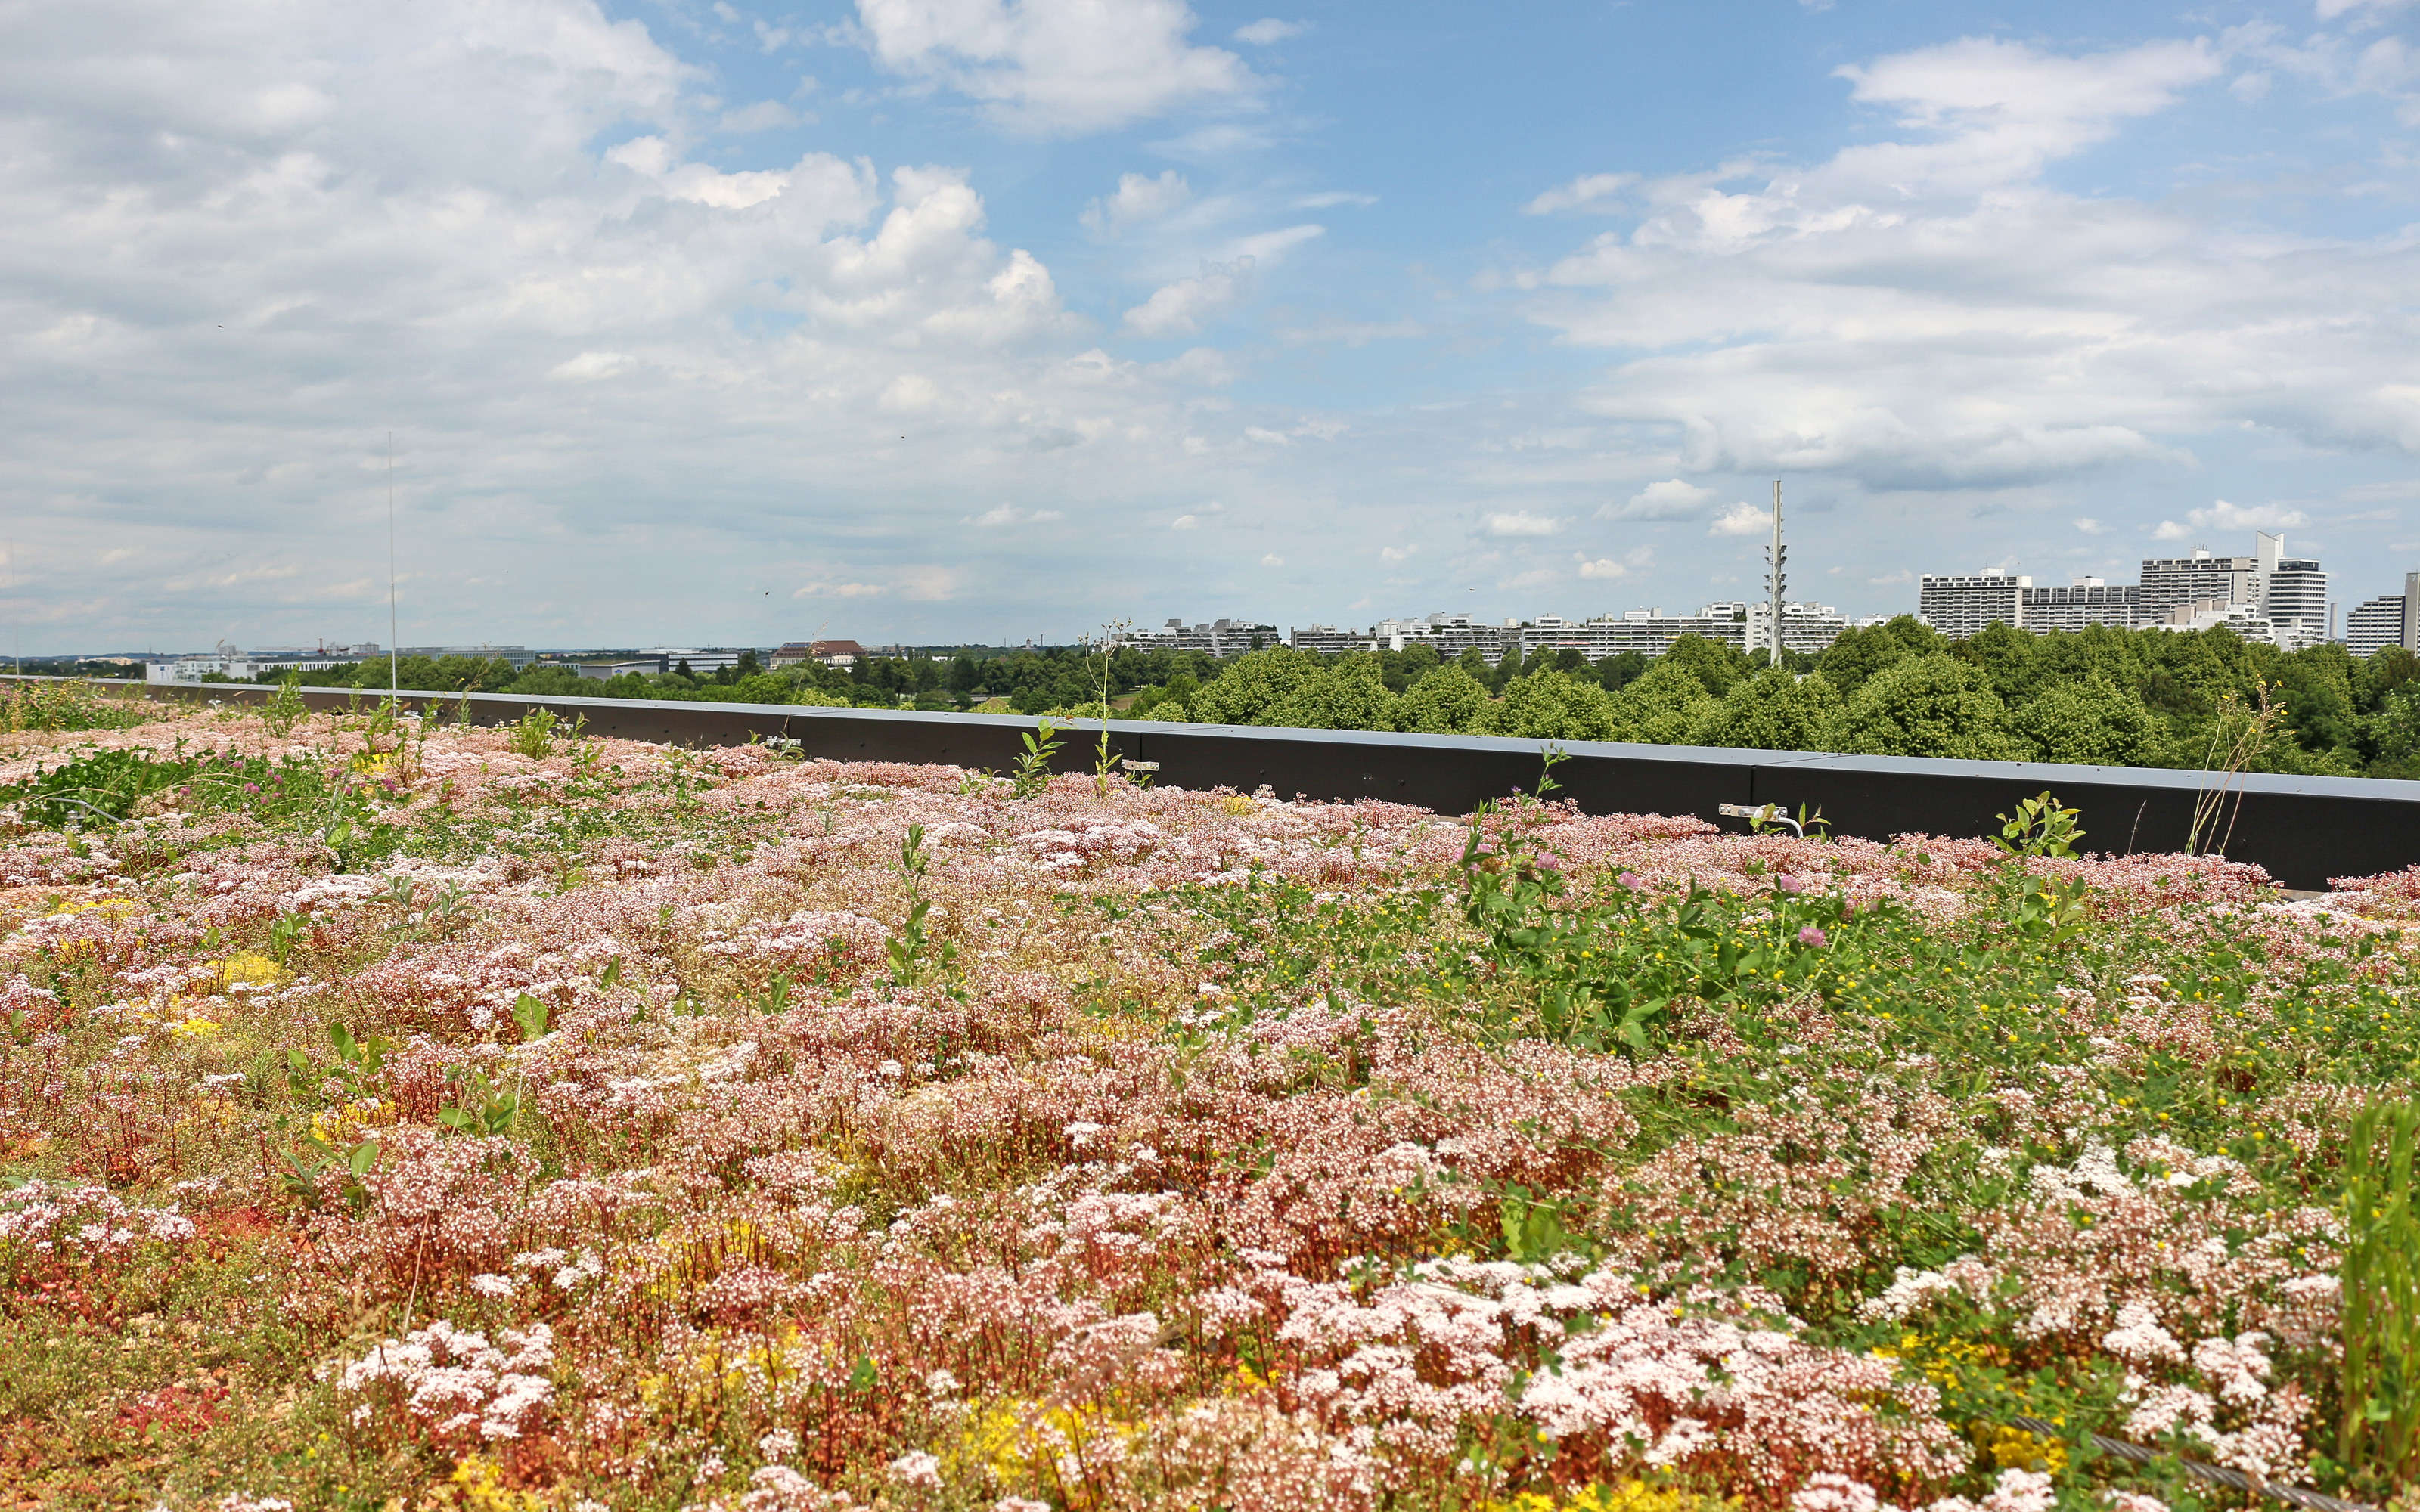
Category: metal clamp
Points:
column 1761, row 813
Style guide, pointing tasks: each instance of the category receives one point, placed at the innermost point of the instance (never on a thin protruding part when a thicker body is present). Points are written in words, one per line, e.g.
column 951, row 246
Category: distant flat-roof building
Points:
column 1219, row 638
column 2376, row 625
column 1327, row 641
column 2293, row 594
column 2084, row 601
column 2199, row 577
column 1960, row 604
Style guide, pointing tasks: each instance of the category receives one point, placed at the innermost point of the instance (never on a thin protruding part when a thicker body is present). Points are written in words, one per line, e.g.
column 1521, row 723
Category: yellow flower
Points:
column 249, row 966
column 195, row 1028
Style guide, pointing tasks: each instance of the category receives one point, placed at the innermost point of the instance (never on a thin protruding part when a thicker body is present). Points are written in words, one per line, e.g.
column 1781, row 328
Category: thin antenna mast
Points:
column 1774, row 555
column 394, row 653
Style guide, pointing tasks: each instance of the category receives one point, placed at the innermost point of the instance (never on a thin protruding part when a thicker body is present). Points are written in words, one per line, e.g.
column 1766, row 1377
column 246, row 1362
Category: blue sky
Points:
column 939, row 320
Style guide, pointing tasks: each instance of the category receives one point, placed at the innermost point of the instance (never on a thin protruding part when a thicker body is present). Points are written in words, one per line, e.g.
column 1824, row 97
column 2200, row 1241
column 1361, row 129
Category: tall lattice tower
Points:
column 1774, row 580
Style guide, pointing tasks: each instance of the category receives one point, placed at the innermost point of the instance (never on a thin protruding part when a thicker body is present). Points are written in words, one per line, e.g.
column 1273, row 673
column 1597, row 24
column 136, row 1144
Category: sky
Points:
column 664, row 322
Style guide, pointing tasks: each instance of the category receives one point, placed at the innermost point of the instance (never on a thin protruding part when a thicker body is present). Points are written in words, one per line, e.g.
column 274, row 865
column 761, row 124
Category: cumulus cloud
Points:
column 570, row 319
column 1184, row 522
column 2222, row 515
column 1521, row 522
column 1273, row 560
column 1742, row 519
column 1055, row 67
column 1608, row 568
column 1925, row 311
column 765, row 116
column 1138, row 199
column 1180, row 308
column 1010, row 515
column 1588, row 191
column 1672, row 498
column 821, row 188
column 1267, row 30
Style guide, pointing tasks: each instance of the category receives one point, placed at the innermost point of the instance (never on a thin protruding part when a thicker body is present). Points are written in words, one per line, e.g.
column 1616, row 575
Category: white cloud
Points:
column 2222, row 515
column 1184, row 522
column 1521, row 522
column 1269, row 245
column 764, row 116
column 1010, row 515
column 1590, row 190
column 1926, row 312
column 1272, row 560
column 589, row 368
column 1179, row 308
column 832, row 358
column 1742, row 519
column 2092, row 527
column 1328, row 330
column 1608, row 568
column 1393, row 553
column 931, row 582
column 1138, row 199
column 1267, row 436
column 1055, row 67
column 821, row 188
column 1261, row 32
column 1672, row 498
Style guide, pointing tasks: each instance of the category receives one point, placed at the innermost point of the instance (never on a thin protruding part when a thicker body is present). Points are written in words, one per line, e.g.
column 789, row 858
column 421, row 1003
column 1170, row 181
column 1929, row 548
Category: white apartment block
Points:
column 2382, row 621
column 1648, row 631
column 1327, row 641
column 1219, row 638
column 1959, row 605
column 2200, row 577
column 2084, row 601
column 2293, row 593
column 1808, row 628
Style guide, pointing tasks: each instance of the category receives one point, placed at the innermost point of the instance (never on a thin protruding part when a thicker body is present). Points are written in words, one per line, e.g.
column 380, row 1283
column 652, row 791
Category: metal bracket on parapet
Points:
column 1761, row 813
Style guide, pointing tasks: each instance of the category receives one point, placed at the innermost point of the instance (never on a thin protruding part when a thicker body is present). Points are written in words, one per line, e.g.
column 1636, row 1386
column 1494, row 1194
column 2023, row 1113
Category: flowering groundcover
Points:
column 403, row 1115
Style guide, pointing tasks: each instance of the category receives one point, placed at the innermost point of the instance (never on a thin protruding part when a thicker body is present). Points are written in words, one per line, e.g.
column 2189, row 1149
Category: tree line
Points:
column 2102, row 695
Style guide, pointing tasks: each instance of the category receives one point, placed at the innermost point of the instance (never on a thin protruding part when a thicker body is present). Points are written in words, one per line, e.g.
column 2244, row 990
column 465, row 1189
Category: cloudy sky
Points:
column 988, row 320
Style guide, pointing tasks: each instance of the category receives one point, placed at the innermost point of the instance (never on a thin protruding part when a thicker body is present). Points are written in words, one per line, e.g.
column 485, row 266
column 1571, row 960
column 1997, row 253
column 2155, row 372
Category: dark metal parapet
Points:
column 2302, row 830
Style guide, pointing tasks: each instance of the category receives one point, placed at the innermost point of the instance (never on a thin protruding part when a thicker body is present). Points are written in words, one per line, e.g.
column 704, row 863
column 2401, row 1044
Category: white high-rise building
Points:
column 2376, row 625
column 2293, row 594
column 2168, row 581
column 1959, row 605
column 2084, row 601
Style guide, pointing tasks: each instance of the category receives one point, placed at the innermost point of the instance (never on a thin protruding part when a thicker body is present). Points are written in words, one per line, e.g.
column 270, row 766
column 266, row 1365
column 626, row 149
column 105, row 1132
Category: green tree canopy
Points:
column 1664, row 705
column 1716, row 664
column 1550, row 705
column 1770, row 711
column 2090, row 720
column 1253, row 684
column 1446, row 702
column 1925, row 705
column 1863, row 650
column 1341, row 693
